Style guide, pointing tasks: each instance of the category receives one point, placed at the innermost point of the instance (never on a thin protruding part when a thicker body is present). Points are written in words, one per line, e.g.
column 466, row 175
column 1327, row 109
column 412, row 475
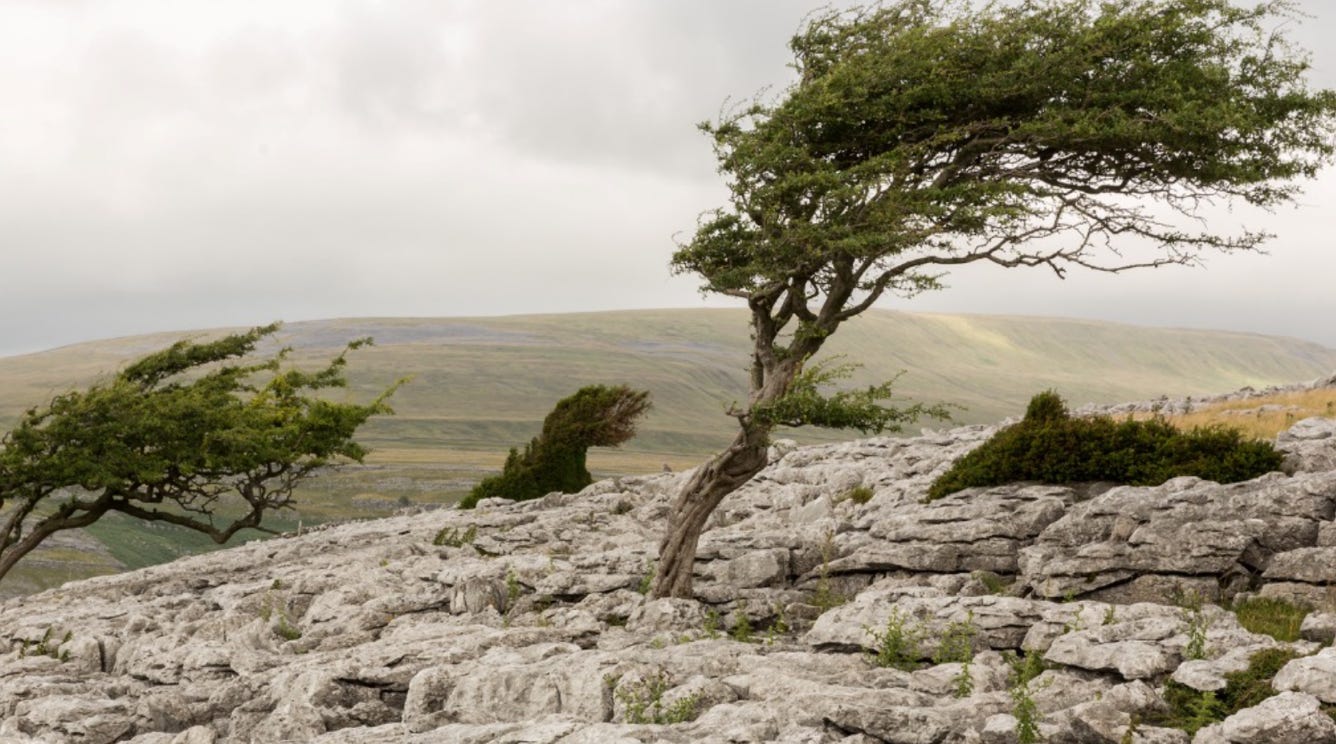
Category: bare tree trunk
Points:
column 718, row 478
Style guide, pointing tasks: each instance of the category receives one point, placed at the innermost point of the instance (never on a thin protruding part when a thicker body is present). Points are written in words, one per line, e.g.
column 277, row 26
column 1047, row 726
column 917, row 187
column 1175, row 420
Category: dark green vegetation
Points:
column 189, row 436
column 1191, row 710
column 555, row 460
column 1051, row 446
column 920, row 136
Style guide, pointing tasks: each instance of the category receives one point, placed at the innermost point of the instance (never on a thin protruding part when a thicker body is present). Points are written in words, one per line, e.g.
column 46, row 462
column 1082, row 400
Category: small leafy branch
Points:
column 957, row 646
column 897, row 645
column 825, row 597
column 1024, row 709
column 1195, row 623
column 48, row 646
column 643, row 702
column 453, row 537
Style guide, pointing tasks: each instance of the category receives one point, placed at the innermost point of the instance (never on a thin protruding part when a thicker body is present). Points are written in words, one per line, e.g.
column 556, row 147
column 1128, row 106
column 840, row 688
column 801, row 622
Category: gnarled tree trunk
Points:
column 711, row 483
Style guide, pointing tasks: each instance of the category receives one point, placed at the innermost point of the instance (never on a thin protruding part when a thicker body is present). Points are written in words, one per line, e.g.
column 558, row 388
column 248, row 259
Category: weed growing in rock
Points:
column 1271, row 616
column 1024, row 709
column 286, row 630
column 859, row 495
column 713, row 622
column 512, row 588
column 48, row 646
column 957, row 646
column 1190, row 709
column 643, row 702
column 1130, row 733
column 1110, row 616
column 453, row 537
column 1049, row 445
column 825, row 598
column 898, row 645
column 992, row 582
column 742, row 629
column 778, row 627
column 647, row 581
column 1195, row 624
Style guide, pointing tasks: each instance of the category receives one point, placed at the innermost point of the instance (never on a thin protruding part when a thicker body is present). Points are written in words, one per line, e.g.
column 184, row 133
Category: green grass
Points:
column 1271, row 616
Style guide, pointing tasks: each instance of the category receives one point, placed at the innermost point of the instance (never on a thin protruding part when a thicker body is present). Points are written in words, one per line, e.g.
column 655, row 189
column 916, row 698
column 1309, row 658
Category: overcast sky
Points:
column 180, row 164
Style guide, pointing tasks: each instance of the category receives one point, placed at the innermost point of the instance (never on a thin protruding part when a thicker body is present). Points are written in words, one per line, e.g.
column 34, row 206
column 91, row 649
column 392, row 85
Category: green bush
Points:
column 1051, row 446
column 595, row 416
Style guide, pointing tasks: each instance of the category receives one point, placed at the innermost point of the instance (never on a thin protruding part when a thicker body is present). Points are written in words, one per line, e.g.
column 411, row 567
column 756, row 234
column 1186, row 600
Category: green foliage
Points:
column 1271, row 616
column 454, row 537
column 49, row 645
column 805, row 405
column 957, row 646
column 647, row 581
column 286, row 630
column 1024, row 669
column 173, row 437
column 1190, row 710
column 595, row 416
column 713, row 622
column 957, row 642
column 897, row 645
column 643, row 702
column 826, row 597
column 742, row 628
column 858, row 494
column 1049, row 445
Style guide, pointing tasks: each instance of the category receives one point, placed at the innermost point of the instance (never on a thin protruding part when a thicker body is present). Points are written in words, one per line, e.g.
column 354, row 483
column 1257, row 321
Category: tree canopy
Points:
column 555, row 460
column 927, row 134
column 179, row 436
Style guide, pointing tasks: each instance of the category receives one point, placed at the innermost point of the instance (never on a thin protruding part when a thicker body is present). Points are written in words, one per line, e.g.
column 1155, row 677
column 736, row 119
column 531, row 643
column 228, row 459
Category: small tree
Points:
column 924, row 134
column 176, row 437
column 555, row 460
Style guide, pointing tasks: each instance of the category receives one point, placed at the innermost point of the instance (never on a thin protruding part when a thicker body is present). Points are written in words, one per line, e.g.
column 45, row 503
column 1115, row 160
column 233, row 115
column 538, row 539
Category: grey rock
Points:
column 1287, row 718
column 1315, row 675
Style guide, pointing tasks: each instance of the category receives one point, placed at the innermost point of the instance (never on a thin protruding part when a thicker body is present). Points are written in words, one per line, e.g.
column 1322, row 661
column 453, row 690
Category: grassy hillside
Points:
column 482, row 385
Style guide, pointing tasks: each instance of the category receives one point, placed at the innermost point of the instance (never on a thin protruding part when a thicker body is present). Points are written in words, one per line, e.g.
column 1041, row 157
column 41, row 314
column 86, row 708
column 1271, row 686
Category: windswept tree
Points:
column 926, row 134
column 185, row 436
column 555, row 460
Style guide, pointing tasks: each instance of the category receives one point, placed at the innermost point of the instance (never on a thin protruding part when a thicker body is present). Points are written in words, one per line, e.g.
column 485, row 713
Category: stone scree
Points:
column 537, row 630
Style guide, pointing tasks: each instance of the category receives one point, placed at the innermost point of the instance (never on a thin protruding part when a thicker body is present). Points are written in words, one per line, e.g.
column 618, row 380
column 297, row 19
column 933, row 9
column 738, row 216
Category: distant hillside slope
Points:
column 483, row 384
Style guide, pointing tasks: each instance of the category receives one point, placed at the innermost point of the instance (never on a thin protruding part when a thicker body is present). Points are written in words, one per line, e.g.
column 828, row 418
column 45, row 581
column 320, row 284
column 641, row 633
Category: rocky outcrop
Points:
column 529, row 623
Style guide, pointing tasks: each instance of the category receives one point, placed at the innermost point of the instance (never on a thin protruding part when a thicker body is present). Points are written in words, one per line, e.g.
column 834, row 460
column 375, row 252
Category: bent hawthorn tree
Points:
column 179, row 436
column 922, row 135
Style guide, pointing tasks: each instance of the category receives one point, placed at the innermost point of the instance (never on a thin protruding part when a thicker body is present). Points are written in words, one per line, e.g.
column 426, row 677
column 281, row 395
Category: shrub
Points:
column 1051, row 446
column 595, row 416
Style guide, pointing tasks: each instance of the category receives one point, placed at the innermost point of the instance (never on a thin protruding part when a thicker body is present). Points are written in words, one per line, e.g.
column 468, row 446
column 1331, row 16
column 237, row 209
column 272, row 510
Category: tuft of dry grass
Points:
column 1262, row 417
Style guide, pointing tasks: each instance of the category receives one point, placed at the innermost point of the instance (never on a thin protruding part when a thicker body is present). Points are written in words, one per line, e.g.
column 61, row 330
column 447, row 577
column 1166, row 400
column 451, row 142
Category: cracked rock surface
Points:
column 537, row 631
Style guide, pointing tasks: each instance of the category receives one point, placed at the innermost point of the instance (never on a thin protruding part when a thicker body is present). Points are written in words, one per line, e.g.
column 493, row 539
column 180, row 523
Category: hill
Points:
column 482, row 385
